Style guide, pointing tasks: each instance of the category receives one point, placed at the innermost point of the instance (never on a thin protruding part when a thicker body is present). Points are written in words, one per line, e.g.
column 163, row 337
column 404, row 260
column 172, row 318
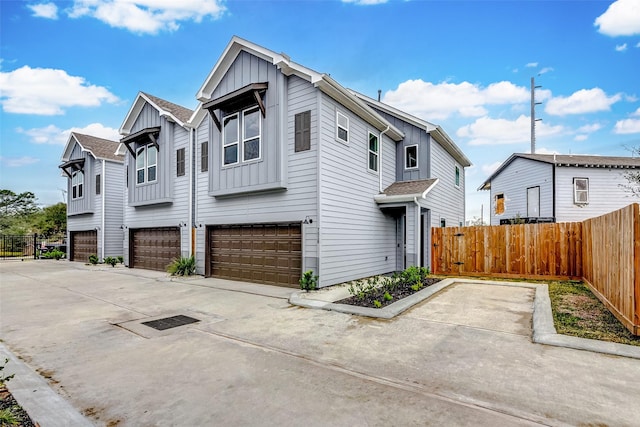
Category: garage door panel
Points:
column 155, row 248
column 83, row 244
column 263, row 253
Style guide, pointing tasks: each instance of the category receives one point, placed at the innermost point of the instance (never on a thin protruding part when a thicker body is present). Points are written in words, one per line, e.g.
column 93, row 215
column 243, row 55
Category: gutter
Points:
column 103, row 193
column 419, row 233
column 192, row 176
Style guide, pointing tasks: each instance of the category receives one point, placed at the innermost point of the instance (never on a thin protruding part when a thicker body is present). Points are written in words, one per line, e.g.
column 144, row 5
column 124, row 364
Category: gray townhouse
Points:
column 94, row 197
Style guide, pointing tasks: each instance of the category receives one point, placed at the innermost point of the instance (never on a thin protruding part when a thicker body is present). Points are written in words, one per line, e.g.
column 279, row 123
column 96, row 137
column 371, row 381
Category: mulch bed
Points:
column 8, row 402
column 403, row 290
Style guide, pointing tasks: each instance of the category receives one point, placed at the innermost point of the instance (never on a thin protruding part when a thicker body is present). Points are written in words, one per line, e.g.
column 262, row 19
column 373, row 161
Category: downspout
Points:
column 103, row 193
column 192, row 175
column 380, row 157
column 419, row 225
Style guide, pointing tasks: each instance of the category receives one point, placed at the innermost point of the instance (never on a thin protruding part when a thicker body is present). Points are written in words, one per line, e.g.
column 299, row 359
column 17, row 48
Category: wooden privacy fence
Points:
column 602, row 251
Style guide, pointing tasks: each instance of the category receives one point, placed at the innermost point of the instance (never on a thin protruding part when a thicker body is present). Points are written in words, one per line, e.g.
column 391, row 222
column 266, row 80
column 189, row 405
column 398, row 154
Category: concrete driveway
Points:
column 463, row 357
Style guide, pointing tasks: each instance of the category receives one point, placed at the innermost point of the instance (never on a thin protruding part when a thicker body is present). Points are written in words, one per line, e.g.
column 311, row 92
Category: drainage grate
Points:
column 170, row 322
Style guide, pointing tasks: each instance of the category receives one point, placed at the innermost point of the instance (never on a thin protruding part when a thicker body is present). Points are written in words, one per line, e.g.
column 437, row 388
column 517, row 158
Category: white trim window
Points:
column 251, row 134
column 230, row 139
column 374, row 150
column 77, row 185
column 411, row 157
column 146, row 164
column 581, row 191
column 457, row 176
column 342, row 127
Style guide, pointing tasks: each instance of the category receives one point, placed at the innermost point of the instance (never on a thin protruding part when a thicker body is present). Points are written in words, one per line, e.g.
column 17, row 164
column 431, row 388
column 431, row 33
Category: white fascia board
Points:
column 383, row 198
column 132, row 115
column 416, row 121
column 121, row 151
column 443, row 139
column 68, row 147
column 197, row 117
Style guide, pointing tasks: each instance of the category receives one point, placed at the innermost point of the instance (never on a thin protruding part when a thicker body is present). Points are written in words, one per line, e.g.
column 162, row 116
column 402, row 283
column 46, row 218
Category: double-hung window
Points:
column 77, row 184
column 581, row 191
column 373, row 152
column 411, row 157
column 342, row 127
column 146, row 164
column 251, row 124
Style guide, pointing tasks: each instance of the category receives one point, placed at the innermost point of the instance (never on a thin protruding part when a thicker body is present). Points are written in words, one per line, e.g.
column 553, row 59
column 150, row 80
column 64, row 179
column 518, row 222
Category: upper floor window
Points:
column 146, row 164
column 411, row 157
column 581, row 191
column 180, row 162
column 373, row 152
column 342, row 127
column 77, row 184
column 98, row 183
column 204, row 156
column 457, row 176
column 251, row 124
column 302, row 131
column 498, row 204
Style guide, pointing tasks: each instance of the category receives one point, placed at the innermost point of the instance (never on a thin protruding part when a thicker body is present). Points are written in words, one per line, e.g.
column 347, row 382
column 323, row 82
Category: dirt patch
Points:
column 402, row 290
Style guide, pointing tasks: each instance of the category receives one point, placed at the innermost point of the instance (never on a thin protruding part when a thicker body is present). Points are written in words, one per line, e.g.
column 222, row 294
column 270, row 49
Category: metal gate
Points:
column 19, row 246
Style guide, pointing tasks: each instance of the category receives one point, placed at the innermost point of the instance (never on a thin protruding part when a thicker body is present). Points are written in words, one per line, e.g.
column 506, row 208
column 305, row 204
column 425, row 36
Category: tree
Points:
column 632, row 176
column 51, row 220
column 16, row 210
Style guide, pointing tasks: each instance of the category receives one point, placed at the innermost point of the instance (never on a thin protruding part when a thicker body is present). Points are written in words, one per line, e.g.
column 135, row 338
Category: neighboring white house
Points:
column 94, row 197
column 558, row 188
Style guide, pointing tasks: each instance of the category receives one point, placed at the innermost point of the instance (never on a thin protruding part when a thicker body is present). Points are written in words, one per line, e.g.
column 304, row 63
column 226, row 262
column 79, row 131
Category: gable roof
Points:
column 174, row 112
column 406, row 191
column 99, row 148
column 568, row 160
column 320, row 80
column 432, row 129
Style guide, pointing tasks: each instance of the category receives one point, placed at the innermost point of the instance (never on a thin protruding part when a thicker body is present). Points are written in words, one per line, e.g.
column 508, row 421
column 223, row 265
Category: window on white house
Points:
column 581, row 191
column 180, row 162
column 77, row 184
column 98, row 183
column 302, row 130
column 342, row 127
column 146, row 164
column 373, row 152
column 411, row 157
column 251, row 127
column 443, row 222
column 457, row 176
column 204, row 156
column 230, row 134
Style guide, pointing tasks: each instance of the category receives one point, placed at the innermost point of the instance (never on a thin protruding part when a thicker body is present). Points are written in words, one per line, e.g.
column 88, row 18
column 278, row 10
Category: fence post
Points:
column 35, row 245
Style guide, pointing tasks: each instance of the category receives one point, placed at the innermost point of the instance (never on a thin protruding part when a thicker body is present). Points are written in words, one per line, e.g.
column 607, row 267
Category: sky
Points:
column 77, row 65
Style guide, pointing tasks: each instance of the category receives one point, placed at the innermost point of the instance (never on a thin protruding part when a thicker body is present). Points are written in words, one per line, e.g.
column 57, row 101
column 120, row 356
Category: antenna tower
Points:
column 533, row 114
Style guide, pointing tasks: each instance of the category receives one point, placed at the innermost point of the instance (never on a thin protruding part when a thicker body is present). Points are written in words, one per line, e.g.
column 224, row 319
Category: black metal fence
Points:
column 15, row 246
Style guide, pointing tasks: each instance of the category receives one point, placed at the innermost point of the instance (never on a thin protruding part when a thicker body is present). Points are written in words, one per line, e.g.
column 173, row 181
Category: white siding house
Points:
column 94, row 203
column 560, row 188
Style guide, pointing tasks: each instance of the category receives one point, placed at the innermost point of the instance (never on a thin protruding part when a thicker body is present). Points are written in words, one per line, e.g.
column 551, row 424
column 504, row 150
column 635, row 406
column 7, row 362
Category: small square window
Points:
column 443, row 222
column 342, row 127
column 498, row 204
column 411, row 157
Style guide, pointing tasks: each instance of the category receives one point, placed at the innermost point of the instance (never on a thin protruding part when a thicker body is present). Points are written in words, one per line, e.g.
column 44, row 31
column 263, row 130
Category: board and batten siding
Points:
column 357, row 239
column 606, row 193
column 112, row 188
column 513, row 182
column 165, row 203
column 86, row 203
column 266, row 172
column 293, row 205
column 445, row 200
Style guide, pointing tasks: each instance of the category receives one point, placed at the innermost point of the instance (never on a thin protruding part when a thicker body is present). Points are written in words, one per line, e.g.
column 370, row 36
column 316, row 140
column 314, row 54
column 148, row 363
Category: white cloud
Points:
column 621, row 47
column 532, row 65
column 16, row 162
column 543, row 150
column 488, row 131
column 545, row 70
column 582, row 101
column 439, row 101
column 44, row 10
column 53, row 135
column 47, row 91
column 627, row 126
column 580, row 138
column 636, row 113
column 622, row 18
column 590, row 128
column 147, row 16
column 488, row 169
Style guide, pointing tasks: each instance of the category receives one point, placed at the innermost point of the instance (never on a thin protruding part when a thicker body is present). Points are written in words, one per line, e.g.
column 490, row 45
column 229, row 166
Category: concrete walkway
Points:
column 463, row 357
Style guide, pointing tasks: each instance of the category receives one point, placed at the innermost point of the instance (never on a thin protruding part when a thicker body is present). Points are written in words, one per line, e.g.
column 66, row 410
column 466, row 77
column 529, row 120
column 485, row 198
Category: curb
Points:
column 544, row 332
column 37, row 398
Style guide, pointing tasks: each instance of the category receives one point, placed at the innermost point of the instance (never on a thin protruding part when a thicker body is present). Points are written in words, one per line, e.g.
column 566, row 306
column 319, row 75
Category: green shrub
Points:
column 8, row 418
column 54, row 254
column 120, row 259
column 308, row 282
column 93, row 259
column 387, row 296
column 111, row 261
column 185, row 266
column 377, row 303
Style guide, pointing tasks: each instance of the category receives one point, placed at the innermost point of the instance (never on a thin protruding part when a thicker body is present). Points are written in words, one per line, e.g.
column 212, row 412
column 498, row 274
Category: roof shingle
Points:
column 100, row 148
column 181, row 113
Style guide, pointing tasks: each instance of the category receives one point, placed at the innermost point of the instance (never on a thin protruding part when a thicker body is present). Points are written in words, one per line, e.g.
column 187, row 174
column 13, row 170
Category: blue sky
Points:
column 465, row 65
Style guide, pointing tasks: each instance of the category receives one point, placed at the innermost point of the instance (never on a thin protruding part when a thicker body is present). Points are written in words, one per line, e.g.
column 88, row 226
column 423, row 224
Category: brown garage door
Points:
column 154, row 248
column 83, row 244
column 262, row 253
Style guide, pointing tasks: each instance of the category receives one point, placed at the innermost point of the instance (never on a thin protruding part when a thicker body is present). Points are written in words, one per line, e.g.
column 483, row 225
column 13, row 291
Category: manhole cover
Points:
column 170, row 322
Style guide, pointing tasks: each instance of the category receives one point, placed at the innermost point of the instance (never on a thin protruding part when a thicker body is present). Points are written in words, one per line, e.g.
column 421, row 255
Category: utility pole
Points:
column 533, row 114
